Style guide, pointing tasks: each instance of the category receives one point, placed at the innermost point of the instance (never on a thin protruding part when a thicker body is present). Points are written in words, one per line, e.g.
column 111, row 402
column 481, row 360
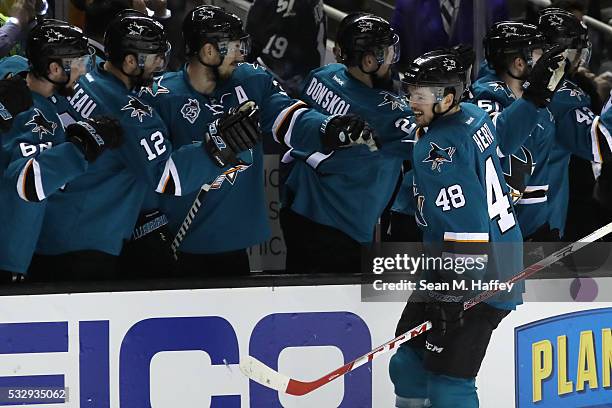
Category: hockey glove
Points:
column 235, row 132
column 15, row 97
column 347, row 130
column 94, row 135
column 545, row 77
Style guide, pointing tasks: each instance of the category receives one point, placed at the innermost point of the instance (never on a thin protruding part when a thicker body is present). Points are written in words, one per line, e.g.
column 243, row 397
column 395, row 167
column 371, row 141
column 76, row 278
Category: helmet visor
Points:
column 157, row 63
column 236, row 48
column 79, row 65
column 579, row 57
column 392, row 52
column 429, row 94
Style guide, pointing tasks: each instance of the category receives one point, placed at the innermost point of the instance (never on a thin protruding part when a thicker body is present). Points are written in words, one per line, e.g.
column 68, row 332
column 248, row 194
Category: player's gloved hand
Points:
column 235, row 132
column 545, row 76
column 95, row 135
column 15, row 97
column 347, row 130
column 445, row 316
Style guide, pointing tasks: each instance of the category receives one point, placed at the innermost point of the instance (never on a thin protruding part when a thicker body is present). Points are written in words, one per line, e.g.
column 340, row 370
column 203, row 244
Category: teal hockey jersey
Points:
column 98, row 210
column 571, row 108
column 518, row 122
column 36, row 163
column 349, row 188
column 462, row 198
column 234, row 214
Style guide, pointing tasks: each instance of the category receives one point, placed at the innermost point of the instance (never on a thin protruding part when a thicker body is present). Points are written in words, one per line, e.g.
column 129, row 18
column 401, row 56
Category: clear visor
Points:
column 156, row 63
column 77, row 66
column 236, row 48
column 418, row 94
column 389, row 55
column 579, row 57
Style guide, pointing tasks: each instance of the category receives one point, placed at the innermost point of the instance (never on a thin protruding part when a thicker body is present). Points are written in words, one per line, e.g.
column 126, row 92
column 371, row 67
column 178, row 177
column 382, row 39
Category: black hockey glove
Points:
column 15, row 97
column 545, row 77
column 94, row 135
column 237, row 131
column 444, row 316
column 347, row 130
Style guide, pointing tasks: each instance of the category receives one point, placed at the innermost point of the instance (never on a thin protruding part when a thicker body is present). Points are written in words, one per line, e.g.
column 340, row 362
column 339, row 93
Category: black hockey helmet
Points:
column 55, row 41
column 442, row 72
column 510, row 38
column 367, row 33
column 564, row 28
column 346, row 21
column 132, row 32
column 212, row 24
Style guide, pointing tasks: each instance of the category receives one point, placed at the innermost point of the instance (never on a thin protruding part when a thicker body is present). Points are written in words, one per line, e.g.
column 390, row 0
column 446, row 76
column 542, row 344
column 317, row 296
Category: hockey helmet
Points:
column 564, row 28
column 510, row 38
column 434, row 75
column 132, row 32
column 367, row 33
column 212, row 24
column 57, row 41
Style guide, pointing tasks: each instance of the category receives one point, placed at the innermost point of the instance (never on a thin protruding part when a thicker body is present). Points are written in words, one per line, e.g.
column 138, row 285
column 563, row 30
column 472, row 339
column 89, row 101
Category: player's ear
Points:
column 130, row 63
column 368, row 62
column 55, row 70
column 447, row 101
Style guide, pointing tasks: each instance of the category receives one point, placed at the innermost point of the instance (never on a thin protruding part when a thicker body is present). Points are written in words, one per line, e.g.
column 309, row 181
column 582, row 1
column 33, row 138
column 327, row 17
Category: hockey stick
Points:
column 193, row 210
column 197, row 203
column 262, row 374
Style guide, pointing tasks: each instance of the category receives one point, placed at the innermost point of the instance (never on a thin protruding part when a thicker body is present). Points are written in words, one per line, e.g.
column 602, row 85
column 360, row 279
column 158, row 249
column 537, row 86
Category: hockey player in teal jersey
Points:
column 570, row 107
column 95, row 213
column 464, row 209
column 38, row 155
column 234, row 214
column 332, row 206
column 515, row 52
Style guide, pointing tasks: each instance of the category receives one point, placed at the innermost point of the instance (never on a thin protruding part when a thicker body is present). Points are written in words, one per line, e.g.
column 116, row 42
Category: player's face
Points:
column 421, row 100
column 155, row 64
column 236, row 52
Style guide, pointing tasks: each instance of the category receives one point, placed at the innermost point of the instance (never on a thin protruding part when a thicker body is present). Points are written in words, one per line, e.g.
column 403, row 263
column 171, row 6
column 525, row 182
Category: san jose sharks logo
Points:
column 204, row 14
column 573, row 90
column 230, row 175
column 191, row 110
column 139, row 109
column 510, row 31
column 500, row 86
column 155, row 89
column 438, row 156
column 555, row 20
column 520, row 167
column 365, row 26
column 393, row 100
column 42, row 126
column 449, row 64
column 217, row 108
column 54, row 36
column 136, row 29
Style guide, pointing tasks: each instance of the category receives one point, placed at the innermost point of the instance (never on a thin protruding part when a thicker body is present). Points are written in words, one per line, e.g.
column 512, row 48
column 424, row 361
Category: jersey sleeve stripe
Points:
column 169, row 182
column 599, row 133
column 466, row 236
column 315, row 159
column 29, row 182
column 285, row 120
